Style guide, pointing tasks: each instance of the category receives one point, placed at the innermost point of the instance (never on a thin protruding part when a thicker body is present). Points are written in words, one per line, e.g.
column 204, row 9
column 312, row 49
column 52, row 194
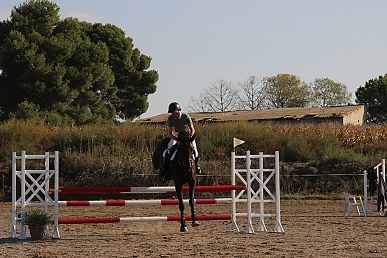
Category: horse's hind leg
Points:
column 183, row 223
column 192, row 203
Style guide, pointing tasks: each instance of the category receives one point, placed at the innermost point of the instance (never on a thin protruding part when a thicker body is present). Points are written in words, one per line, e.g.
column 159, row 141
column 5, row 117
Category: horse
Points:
column 182, row 170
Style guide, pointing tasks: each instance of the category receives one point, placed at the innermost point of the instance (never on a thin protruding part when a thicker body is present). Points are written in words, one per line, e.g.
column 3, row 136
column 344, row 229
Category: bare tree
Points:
column 197, row 104
column 220, row 97
column 253, row 97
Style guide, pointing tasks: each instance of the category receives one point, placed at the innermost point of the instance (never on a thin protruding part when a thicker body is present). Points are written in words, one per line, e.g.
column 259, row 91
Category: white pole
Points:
column 366, row 211
column 23, row 193
column 262, row 226
column 47, row 186
column 233, row 219
column 56, row 197
column 13, row 230
column 249, row 227
column 278, row 226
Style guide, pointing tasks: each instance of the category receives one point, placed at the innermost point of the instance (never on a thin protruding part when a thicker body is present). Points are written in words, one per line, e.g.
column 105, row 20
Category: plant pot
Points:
column 37, row 232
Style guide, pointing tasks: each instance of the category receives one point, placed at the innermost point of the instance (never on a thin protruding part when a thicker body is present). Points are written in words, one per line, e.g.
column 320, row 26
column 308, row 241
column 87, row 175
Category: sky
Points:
column 195, row 43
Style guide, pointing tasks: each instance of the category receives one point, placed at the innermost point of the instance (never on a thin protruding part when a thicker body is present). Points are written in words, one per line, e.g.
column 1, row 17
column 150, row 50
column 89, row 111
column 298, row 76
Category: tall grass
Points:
column 302, row 143
column 121, row 154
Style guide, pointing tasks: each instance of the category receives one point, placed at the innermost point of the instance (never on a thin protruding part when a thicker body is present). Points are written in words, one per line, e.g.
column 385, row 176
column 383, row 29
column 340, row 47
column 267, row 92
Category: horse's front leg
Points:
column 192, row 185
column 183, row 223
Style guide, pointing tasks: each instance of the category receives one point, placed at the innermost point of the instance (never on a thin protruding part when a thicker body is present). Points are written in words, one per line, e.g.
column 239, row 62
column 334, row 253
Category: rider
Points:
column 177, row 122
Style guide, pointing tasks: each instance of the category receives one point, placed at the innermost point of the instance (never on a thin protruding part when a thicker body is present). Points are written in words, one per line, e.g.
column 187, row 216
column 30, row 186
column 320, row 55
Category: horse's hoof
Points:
column 195, row 224
column 183, row 229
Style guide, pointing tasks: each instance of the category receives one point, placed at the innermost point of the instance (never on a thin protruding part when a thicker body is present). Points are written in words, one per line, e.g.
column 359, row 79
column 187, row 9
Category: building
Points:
column 344, row 115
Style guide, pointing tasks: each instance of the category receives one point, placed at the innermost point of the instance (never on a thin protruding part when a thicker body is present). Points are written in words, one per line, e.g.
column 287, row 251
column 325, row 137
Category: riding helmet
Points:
column 173, row 106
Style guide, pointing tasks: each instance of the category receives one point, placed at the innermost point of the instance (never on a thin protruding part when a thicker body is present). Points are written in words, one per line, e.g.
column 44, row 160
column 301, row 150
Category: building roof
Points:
column 265, row 114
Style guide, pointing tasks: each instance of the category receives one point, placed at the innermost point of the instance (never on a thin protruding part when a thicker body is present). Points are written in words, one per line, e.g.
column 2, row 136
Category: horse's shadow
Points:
column 11, row 240
column 16, row 240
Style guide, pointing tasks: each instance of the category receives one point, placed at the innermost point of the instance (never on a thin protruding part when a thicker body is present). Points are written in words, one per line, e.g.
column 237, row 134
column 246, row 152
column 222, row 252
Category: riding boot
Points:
column 163, row 170
column 198, row 168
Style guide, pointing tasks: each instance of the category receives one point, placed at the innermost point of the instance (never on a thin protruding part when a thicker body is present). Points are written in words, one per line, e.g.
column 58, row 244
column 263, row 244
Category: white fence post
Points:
column 14, row 215
column 249, row 227
column 278, row 226
column 366, row 210
column 23, row 193
column 56, row 197
column 261, row 226
column 234, row 225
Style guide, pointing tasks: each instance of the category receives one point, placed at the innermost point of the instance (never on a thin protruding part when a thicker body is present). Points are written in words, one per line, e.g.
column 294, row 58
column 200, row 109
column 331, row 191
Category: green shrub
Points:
column 36, row 218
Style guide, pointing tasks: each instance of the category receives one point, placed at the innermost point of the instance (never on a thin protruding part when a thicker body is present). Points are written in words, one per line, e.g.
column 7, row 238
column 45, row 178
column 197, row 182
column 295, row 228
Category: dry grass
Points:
column 121, row 154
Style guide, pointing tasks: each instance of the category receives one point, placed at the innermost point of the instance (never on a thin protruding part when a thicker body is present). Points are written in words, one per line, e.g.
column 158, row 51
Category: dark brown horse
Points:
column 182, row 170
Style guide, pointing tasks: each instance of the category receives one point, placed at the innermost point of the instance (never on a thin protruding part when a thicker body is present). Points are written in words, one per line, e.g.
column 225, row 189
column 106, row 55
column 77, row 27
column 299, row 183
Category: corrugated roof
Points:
column 265, row 114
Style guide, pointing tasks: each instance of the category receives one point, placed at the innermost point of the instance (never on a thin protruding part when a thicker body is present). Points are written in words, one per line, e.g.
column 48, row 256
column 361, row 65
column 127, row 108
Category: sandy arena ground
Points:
column 312, row 229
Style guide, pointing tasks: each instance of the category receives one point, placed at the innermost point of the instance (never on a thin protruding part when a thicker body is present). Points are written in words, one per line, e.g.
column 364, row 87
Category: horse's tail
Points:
column 158, row 153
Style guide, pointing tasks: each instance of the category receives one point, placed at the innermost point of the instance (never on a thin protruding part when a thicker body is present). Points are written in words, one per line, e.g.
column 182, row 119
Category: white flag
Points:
column 238, row 142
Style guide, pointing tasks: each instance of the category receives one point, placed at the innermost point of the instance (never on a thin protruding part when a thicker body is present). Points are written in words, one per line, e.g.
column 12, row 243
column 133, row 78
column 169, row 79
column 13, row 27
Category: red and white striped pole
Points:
column 142, row 202
column 140, row 219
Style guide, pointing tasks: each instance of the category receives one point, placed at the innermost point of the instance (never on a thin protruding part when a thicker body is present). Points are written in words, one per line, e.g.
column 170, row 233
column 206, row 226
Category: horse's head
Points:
column 185, row 136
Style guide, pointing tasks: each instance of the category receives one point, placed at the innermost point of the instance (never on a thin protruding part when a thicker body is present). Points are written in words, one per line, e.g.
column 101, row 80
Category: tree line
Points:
column 288, row 91
column 280, row 91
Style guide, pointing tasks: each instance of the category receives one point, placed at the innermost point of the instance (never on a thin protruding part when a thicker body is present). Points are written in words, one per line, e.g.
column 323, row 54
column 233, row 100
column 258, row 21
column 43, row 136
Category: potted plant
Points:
column 37, row 220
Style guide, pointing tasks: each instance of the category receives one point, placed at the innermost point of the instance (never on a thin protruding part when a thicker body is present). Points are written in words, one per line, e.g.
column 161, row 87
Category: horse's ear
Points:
column 192, row 138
